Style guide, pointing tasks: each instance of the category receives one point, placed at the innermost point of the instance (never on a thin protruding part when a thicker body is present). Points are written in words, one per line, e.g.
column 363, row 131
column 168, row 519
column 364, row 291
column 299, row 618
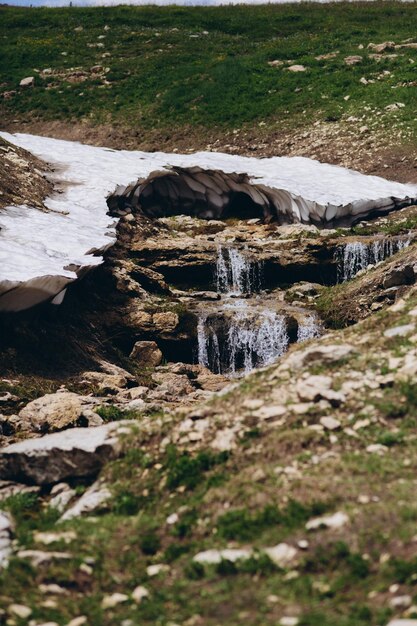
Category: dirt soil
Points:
column 22, row 177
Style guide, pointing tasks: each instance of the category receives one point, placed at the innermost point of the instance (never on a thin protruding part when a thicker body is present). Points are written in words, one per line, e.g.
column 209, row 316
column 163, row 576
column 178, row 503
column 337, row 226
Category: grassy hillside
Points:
column 208, row 67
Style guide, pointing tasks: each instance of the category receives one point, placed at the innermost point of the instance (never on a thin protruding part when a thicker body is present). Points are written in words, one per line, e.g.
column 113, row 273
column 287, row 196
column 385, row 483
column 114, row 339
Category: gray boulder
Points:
column 72, row 453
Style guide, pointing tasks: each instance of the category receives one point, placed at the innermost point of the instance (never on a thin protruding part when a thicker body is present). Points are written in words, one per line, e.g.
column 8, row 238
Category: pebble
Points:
column 139, row 594
column 330, row 423
column 20, row 610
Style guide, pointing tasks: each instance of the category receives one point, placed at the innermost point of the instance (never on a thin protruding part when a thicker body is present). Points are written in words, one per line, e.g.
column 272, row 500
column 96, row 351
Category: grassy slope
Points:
column 208, row 67
column 343, row 578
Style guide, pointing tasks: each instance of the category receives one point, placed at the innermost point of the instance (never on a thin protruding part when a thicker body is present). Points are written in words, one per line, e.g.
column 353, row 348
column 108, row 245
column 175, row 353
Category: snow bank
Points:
column 42, row 252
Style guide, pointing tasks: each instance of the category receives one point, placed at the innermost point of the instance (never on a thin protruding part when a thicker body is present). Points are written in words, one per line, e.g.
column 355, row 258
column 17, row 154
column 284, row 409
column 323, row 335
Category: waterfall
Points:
column 357, row 256
column 251, row 339
column 308, row 328
column 235, row 273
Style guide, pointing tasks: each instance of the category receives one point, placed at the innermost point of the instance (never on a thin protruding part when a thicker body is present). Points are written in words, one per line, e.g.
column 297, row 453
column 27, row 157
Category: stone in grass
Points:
column 139, row 594
column 29, row 81
column 333, row 522
column 78, row 621
column 109, row 602
column 403, row 622
column 297, row 68
column 330, row 423
column 399, row 331
column 71, row 453
column 19, row 610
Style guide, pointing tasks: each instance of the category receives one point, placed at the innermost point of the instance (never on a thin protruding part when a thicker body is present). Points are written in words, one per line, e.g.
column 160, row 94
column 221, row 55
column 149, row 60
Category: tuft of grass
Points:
column 186, row 470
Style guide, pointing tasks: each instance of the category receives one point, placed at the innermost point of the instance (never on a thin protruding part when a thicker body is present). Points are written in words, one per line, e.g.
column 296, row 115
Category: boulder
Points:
column 146, row 353
column 56, row 411
column 72, row 453
column 323, row 354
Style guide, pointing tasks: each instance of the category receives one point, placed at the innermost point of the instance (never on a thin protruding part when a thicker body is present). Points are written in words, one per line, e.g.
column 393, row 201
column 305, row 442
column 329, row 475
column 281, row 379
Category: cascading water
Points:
column 252, row 339
column 241, row 336
column 236, row 274
column 309, row 328
column 357, row 256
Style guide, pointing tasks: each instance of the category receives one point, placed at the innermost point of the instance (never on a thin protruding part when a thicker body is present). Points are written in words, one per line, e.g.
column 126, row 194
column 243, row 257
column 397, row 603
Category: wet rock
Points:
column 54, row 457
column 56, row 411
column 146, row 353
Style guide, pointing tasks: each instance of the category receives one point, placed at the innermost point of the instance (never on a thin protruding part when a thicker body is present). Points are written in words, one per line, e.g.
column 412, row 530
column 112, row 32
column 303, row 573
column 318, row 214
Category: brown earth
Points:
column 22, row 177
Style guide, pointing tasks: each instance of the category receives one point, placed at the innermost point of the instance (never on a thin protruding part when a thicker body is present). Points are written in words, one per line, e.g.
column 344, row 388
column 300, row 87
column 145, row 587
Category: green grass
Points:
column 181, row 67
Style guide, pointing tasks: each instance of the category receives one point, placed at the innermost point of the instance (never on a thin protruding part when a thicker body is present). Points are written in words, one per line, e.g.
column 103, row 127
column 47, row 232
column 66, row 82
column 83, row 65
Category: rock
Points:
column 165, row 322
column 288, row 621
column 281, row 554
column 41, row 557
column 170, row 385
column 377, row 448
column 106, row 383
column 224, row 440
column 139, row 594
column 213, row 556
column 147, row 353
column 56, row 411
column 402, row 622
column 395, row 106
column 353, row 59
column 271, row 412
column 6, row 535
column 9, row 488
column 54, row 457
column 93, row 499
column 109, row 602
column 61, row 496
column 312, row 388
column 158, row 568
column 381, row 47
column 78, row 621
column 401, row 602
column 29, row 81
column 296, row 68
column 334, row 522
column 397, row 277
column 19, row 610
column 51, row 537
column 319, row 354
column 208, row 381
column 399, row 331
column 330, row 423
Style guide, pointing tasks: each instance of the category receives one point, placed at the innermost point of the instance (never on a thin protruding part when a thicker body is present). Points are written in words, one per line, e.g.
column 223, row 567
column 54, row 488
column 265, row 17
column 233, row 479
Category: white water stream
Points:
column 249, row 336
column 357, row 256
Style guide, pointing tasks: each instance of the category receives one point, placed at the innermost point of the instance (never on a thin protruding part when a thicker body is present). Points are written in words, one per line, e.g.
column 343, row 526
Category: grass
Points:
column 181, row 67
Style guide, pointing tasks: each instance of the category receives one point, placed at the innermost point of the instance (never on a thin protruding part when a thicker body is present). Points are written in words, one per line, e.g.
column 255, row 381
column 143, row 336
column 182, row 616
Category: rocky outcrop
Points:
column 72, row 453
column 60, row 410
